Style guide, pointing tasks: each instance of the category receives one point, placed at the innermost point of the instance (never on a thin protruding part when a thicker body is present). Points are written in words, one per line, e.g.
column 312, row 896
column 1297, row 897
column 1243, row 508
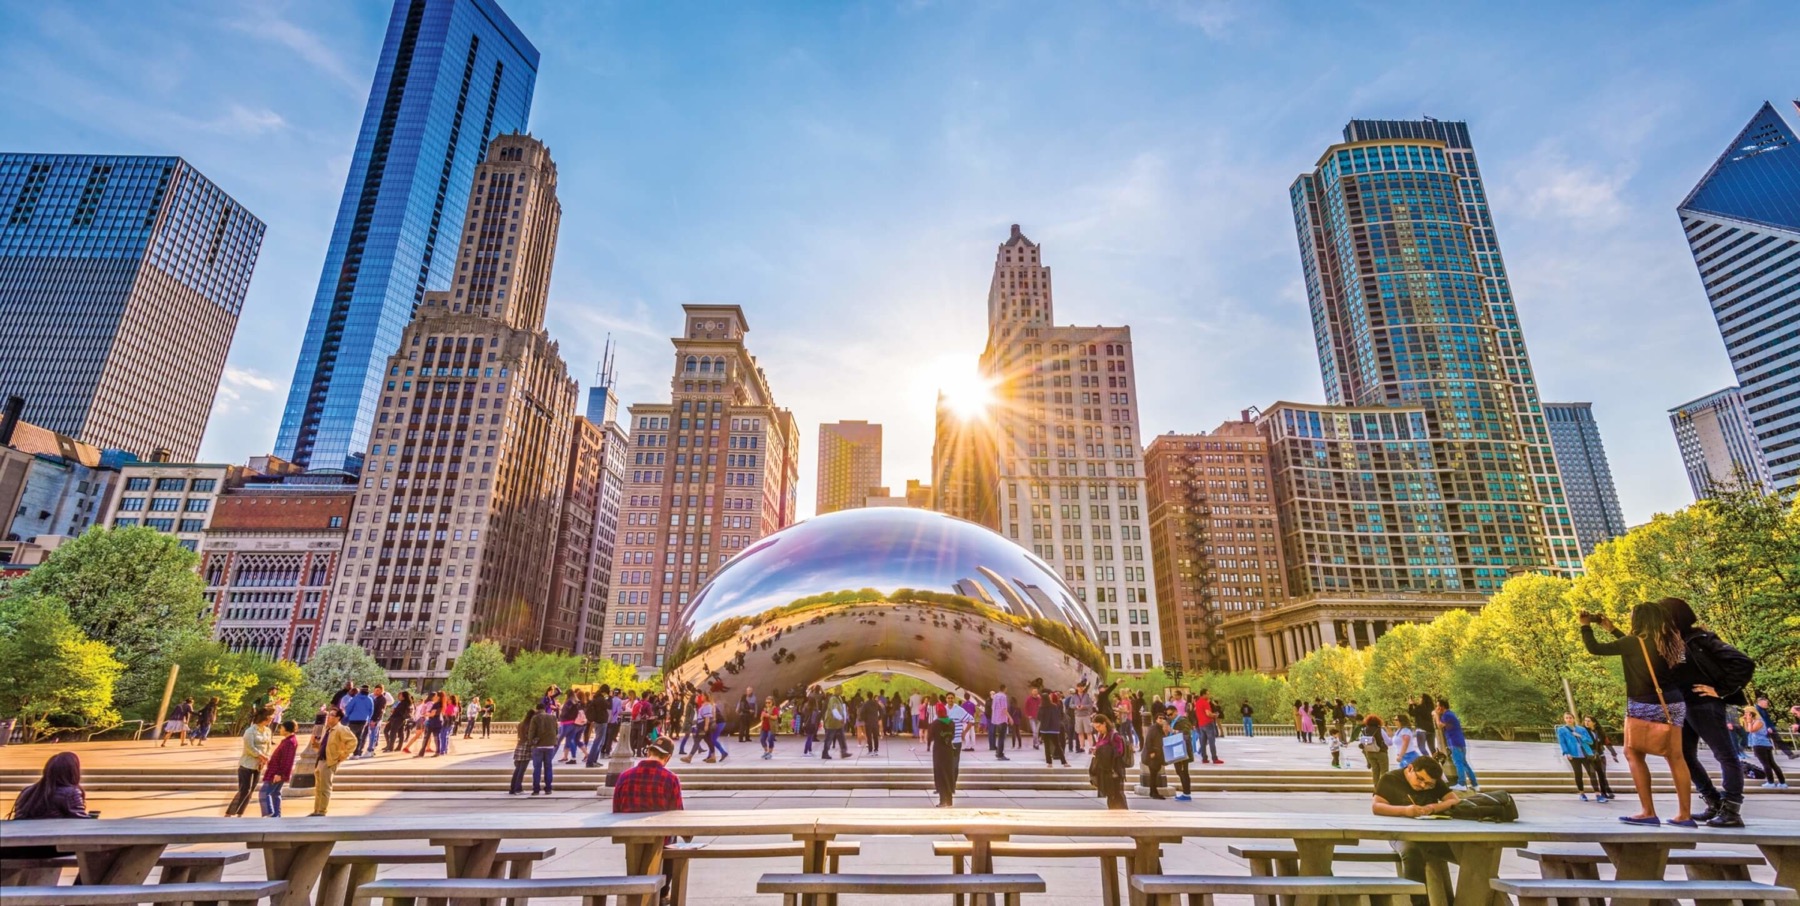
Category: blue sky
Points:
column 845, row 171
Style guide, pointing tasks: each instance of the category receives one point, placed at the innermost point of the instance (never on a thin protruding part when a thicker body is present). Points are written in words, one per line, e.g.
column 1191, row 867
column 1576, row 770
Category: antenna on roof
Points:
column 608, row 362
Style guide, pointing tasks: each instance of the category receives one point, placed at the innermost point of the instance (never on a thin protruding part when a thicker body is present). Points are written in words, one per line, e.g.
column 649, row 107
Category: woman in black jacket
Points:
column 1649, row 655
column 1050, row 729
column 56, row 794
column 1153, row 754
column 1713, row 677
column 1107, row 768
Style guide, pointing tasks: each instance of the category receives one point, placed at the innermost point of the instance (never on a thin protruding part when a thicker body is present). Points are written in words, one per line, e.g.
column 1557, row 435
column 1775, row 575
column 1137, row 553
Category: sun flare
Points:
column 966, row 391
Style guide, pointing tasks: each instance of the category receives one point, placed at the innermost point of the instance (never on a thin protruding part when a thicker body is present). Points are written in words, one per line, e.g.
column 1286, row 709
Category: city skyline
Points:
column 1593, row 247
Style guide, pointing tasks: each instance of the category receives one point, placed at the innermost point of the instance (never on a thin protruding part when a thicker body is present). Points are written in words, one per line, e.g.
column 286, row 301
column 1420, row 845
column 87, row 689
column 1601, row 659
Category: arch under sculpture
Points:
column 884, row 589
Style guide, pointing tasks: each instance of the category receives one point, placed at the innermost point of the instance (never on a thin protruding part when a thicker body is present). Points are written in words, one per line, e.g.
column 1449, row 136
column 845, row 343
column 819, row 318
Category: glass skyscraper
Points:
column 1411, row 306
column 1587, row 478
column 1743, row 224
column 121, row 280
column 453, row 75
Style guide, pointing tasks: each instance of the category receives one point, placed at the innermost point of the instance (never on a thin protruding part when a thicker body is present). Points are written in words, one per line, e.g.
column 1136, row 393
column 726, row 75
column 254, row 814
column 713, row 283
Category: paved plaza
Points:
column 730, row 881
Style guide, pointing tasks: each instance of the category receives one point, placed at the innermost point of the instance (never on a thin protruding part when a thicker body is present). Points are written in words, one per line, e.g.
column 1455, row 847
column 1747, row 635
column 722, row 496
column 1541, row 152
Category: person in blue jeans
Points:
column 1246, row 712
column 1458, row 746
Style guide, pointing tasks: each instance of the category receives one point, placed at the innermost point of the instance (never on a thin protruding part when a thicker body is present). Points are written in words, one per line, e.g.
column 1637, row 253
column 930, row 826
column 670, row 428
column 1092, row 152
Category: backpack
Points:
column 1127, row 757
column 1370, row 744
column 1496, row 807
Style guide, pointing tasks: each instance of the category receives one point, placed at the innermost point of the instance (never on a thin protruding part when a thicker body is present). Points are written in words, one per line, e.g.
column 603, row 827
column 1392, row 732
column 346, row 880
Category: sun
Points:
column 968, row 393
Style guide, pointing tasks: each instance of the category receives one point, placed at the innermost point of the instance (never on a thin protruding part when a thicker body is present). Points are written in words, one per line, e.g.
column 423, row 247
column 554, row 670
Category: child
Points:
column 279, row 770
column 1336, row 742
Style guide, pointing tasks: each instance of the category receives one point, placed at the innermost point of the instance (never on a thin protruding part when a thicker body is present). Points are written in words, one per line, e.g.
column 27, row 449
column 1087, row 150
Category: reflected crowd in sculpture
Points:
column 884, row 590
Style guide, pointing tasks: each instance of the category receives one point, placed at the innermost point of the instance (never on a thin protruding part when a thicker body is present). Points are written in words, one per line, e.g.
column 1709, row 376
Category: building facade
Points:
column 454, row 533
column 1718, row 444
column 453, row 74
column 1743, row 225
column 1215, row 541
column 51, row 485
column 1412, row 307
column 1071, row 474
column 710, row 472
column 173, row 498
column 849, row 464
column 603, row 410
column 121, row 281
column 1587, row 479
column 270, row 560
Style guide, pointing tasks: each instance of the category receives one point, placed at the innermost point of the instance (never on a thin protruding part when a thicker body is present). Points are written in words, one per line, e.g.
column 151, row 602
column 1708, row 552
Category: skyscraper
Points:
column 1718, row 447
column 603, row 410
column 456, row 531
column 965, row 465
column 1411, row 307
column 849, row 464
column 1743, row 224
column 1071, row 481
column 121, row 280
column 453, row 74
column 1215, row 542
column 1587, row 479
column 711, row 471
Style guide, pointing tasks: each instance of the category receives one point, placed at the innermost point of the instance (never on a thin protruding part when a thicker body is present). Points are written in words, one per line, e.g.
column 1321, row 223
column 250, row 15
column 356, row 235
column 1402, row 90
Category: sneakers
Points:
column 1600, row 798
column 1460, row 788
column 1183, row 797
column 1584, row 797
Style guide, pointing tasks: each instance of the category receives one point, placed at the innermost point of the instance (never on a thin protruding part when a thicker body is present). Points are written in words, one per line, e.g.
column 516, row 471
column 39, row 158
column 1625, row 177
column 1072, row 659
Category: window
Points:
column 193, row 525
column 161, row 525
column 165, row 504
column 131, row 504
column 197, row 504
column 205, row 484
column 171, row 484
column 137, row 484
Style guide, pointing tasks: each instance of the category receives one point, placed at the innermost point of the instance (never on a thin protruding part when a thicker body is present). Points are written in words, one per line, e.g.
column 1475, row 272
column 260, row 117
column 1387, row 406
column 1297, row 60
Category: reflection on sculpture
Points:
column 886, row 589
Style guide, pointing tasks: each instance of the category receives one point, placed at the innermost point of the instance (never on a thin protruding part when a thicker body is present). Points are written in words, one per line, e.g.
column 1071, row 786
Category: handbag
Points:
column 1175, row 748
column 1648, row 735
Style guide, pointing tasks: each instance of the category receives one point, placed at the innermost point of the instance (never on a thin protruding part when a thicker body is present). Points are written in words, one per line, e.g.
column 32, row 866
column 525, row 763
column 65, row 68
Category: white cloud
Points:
column 308, row 46
column 243, row 121
column 1548, row 186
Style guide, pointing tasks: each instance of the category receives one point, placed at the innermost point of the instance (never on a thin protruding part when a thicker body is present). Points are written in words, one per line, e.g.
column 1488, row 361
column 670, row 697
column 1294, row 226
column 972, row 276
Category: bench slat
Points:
column 477, row 888
column 131, row 894
column 200, row 857
column 433, row 857
column 770, row 850
column 1165, row 885
column 1713, row 857
column 1665, row 890
column 1341, row 854
column 997, row 883
column 1016, row 850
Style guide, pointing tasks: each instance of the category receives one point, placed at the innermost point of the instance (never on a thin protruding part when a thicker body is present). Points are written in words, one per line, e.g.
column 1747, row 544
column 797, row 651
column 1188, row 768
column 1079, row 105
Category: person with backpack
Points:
column 1712, row 678
column 1110, row 762
column 1655, row 707
column 1412, row 792
column 1374, row 746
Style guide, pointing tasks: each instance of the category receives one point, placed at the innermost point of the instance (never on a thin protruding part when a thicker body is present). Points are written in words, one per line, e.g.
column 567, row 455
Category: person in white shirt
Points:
column 1000, row 723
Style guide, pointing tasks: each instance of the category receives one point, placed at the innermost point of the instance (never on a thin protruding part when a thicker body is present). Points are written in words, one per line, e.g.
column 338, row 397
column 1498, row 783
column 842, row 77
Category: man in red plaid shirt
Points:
column 650, row 786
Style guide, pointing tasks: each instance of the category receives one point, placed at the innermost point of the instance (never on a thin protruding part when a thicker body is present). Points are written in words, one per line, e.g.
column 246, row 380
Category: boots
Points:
column 1712, row 809
column 1728, row 816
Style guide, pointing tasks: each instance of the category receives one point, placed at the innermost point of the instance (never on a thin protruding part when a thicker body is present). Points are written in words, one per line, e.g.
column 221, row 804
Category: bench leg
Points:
column 1109, row 881
column 956, row 868
column 1012, row 899
column 594, row 901
column 1437, row 884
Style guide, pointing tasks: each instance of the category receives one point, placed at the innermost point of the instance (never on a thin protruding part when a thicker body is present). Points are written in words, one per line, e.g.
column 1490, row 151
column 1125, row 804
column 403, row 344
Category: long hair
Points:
column 1652, row 623
column 36, row 801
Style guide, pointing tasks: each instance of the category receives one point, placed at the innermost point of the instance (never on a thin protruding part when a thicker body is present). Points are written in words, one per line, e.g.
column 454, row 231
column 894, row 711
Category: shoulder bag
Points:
column 1654, row 737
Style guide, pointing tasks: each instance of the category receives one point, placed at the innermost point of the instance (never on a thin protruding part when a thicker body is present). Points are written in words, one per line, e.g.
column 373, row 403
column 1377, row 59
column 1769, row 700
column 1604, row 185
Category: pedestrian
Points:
column 1303, row 725
column 570, row 719
column 871, row 725
column 177, row 723
column 1655, row 707
column 1001, row 715
column 359, row 709
column 1153, row 754
column 1415, row 791
column 258, row 744
column 1404, row 741
column 57, row 793
column 279, row 770
column 447, row 718
column 1246, row 713
column 811, row 709
column 1374, row 744
column 1206, row 726
column 1335, row 744
column 943, row 740
column 837, row 714
column 1764, row 709
column 597, row 709
column 383, row 701
column 541, row 729
column 335, row 747
column 715, row 747
column 649, row 786
column 1577, row 747
column 747, row 709
column 1424, row 718
column 1034, row 703
column 1711, row 678
column 1182, row 727
column 1457, row 745
column 1603, row 749
column 1051, row 730
column 1760, row 736
column 771, row 715
column 394, row 732
column 203, row 721
column 1082, row 703
column 487, row 718
column 1107, row 767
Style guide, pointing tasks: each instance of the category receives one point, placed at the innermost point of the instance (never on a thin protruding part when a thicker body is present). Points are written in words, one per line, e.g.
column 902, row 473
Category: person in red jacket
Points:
column 279, row 770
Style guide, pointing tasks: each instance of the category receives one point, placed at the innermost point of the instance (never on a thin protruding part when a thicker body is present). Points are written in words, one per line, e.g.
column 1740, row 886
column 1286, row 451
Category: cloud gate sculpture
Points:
column 884, row 590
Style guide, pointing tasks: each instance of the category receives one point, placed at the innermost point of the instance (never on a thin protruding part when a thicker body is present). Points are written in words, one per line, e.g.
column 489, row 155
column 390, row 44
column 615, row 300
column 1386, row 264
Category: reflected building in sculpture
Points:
column 884, row 590
column 849, row 465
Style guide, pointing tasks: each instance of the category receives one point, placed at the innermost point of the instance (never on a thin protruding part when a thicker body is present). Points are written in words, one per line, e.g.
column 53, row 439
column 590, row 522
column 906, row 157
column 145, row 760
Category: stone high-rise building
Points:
column 849, row 464
column 965, row 465
column 455, row 534
column 709, row 473
column 1743, row 224
column 1412, row 307
column 121, row 281
column 1071, row 475
column 1214, row 537
column 453, row 75
column 1587, row 479
column 603, row 410
column 1718, row 444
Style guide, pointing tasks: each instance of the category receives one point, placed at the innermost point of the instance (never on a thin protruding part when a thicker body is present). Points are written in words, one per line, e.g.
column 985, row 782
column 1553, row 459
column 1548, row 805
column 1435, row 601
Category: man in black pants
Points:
column 1415, row 790
column 746, row 713
column 871, row 721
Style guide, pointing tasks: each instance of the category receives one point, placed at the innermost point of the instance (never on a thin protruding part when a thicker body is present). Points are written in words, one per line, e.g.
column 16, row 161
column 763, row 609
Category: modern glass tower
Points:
column 1743, row 225
column 453, row 75
column 1587, row 478
column 1411, row 306
column 121, row 280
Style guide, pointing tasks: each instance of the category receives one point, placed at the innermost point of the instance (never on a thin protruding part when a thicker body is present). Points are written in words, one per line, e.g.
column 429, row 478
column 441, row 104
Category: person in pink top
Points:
column 1032, row 703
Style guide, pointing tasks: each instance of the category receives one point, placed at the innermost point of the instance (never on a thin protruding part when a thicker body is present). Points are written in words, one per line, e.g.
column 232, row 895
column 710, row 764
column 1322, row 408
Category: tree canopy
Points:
column 52, row 676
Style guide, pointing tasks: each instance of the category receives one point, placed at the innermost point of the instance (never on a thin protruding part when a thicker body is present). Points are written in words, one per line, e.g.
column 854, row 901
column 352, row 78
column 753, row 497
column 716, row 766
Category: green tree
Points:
column 1269, row 695
column 1394, row 664
column 475, row 670
column 517, row 688
column 52, row 676
column 1531, row 624
column 210, row 669
column 134, row 589
column 1334, row 671
column 331, row 667
column 1490, row 694
column 617, row 676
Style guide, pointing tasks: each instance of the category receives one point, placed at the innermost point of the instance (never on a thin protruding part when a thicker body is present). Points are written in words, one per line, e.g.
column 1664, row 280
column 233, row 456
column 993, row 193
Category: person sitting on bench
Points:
column 1415, row 791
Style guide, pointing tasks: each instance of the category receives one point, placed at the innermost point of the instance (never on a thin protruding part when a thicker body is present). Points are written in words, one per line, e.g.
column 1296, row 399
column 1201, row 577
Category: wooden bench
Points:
column 1715, row 864
column 178, row 867
column 1541, row 892
column 1282, row 860
column 235, row 893
column 1166, row 890
column 592, row 891
column 1108, row 852
column 345, row 871
column 792, row 887
column 677, row 856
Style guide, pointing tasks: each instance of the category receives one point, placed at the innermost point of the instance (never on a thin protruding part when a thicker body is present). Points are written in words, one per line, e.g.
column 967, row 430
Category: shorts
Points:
column 1653, row 712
